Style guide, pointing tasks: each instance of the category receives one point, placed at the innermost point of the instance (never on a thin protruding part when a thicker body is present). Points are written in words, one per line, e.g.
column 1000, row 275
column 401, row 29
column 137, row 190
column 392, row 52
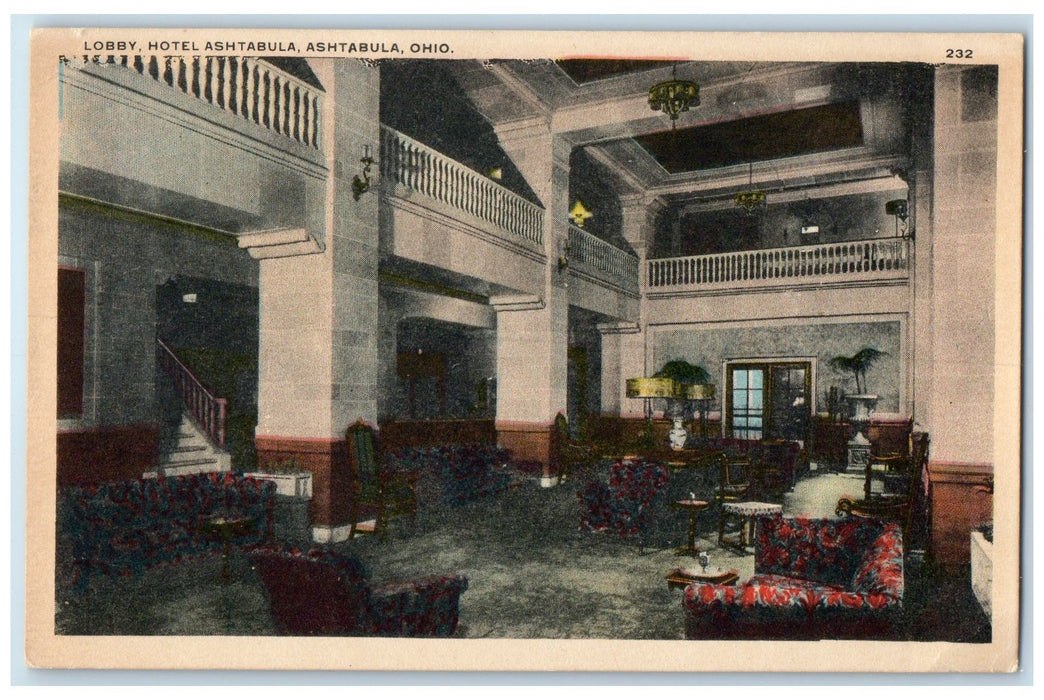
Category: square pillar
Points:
column 318, row 329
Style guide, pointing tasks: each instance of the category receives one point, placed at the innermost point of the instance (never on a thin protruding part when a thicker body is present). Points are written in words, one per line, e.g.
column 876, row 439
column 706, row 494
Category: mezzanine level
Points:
column 879, row 261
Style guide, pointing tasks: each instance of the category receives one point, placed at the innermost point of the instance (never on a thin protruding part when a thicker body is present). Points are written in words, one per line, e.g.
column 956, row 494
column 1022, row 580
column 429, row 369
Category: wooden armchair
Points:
column 903, row 495
column 378, row 492
column 574, row 457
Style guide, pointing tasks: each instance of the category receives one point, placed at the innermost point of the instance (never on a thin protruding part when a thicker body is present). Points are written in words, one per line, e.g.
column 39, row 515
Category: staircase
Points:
column 197, row 443
column 191, row 453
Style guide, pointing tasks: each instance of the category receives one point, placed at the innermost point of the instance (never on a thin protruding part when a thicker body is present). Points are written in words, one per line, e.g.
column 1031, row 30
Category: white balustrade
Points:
column 598, row 255
column 882, row 258
column 411, row 164
column 247, row 87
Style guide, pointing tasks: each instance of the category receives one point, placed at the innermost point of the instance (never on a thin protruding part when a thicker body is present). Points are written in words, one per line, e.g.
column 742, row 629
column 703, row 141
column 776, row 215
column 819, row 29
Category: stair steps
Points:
column 191, row 453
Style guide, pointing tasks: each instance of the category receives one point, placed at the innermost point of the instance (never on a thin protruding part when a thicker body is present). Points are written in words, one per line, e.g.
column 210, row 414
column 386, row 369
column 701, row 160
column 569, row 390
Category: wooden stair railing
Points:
column 209, row 411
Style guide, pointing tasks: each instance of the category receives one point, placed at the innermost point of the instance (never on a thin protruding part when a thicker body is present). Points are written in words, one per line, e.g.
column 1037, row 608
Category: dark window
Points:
column 72, row 297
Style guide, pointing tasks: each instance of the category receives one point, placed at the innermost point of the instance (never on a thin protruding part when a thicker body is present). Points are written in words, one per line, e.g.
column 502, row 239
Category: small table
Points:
column 692, row 506
column 747, row 511
column 225, row 528
column 681, row 578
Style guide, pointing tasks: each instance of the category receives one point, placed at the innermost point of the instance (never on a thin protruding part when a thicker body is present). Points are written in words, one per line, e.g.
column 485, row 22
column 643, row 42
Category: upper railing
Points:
column 875, row 259
column 603, row 259
column 247, row 87
column 412, row 164
column 211, row 412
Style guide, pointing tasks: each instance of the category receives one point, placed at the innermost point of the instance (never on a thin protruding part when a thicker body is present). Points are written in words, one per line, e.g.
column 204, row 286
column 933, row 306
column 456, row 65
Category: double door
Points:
column 769, row 400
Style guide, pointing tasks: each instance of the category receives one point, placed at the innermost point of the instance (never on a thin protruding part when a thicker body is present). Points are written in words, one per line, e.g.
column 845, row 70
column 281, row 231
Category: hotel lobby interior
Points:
column 526, row 349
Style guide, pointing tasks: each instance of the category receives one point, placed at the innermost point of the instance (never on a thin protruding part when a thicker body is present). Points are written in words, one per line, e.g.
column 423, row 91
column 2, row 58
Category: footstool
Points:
column 746, row 512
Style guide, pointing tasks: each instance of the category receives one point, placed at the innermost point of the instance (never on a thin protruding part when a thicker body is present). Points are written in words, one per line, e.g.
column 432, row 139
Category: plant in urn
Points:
column 862, row 404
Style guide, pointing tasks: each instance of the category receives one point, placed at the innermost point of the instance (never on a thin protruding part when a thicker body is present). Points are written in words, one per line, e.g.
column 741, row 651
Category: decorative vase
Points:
column 678, row 434
column 862, row 406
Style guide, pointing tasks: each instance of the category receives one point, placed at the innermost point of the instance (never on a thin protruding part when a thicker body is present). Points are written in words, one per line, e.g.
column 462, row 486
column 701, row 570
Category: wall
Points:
column 844, row 218
column 127, row 257
column 963, row 265
column 710, row 345
column 585, row 356
column 469, row 355
column 591, row 183
column 463, row 331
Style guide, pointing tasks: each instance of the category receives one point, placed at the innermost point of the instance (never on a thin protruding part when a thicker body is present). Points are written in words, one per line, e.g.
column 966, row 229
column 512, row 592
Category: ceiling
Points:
column 800, row 124
column 588, row 70
column 759, row 138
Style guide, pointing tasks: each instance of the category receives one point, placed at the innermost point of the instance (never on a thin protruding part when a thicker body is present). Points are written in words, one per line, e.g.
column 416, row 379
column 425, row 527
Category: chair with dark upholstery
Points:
column 324, row 593
column 814, row 578
column 574, row 457
column 630, row 504
column 378, row 492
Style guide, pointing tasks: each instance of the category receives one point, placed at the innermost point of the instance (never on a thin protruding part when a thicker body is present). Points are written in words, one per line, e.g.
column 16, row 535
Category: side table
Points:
column 692, row 506
column 225, row 528
column 681, row 578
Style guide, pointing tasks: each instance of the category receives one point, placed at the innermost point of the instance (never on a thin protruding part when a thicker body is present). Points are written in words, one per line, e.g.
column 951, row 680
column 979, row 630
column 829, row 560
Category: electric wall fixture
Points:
column 361, row 183
column 579, row 214
column 898, row 209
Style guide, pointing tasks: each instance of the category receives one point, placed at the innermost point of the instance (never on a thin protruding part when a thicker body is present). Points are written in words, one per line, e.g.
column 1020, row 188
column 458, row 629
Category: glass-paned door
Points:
column 770, row 400
column 748, row 401
column 790, row 410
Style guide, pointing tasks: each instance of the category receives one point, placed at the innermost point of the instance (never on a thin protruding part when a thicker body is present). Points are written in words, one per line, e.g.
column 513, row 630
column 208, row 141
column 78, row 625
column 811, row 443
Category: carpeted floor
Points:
column 531, row 574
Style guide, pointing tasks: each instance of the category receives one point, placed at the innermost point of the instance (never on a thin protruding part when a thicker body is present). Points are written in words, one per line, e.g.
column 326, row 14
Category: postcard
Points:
column 524, row 351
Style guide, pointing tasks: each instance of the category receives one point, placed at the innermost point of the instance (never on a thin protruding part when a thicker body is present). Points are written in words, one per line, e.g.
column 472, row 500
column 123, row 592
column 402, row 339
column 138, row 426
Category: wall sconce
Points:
column 563, row 258
column 898, row 209
column 361, row 183
column 579, row 214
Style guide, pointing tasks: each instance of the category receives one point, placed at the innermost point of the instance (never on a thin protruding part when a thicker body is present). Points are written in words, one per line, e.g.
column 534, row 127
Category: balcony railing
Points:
column 876, row 259
column 244, row 86
column 412, row 164
column 603, row 259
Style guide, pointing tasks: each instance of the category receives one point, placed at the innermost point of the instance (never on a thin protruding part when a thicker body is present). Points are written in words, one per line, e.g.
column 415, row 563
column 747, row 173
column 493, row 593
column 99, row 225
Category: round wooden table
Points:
column 692, row 506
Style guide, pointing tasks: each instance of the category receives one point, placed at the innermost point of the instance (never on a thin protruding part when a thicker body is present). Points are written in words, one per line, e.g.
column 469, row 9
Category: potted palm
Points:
column 862, row 403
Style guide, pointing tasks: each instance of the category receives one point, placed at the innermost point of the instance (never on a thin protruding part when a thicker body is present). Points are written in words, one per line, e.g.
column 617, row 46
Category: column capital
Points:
column 516, row 302
column 618, row 328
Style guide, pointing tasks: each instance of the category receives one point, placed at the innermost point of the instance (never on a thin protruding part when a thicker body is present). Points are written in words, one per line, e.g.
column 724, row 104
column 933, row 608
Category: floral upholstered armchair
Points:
column 814, row 579
column 325, row 593
column 629, row 504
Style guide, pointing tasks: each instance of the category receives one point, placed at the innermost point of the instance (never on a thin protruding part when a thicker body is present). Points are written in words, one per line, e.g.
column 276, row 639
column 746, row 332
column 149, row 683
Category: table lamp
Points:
column 649, row 388
column 702, row 394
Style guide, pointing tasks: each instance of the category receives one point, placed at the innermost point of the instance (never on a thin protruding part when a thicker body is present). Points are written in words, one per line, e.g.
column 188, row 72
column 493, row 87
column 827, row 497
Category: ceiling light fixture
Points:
column 672, row 97
column 750, row 199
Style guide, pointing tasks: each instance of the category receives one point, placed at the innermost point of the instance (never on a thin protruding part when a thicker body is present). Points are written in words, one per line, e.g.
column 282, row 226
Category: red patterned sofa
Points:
column 814, row 579
column 324, row 593
column 127, row 527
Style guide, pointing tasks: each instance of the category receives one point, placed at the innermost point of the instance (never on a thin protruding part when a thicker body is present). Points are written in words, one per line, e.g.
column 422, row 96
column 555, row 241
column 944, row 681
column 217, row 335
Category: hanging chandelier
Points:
column 750, row 199
column 672, row 97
